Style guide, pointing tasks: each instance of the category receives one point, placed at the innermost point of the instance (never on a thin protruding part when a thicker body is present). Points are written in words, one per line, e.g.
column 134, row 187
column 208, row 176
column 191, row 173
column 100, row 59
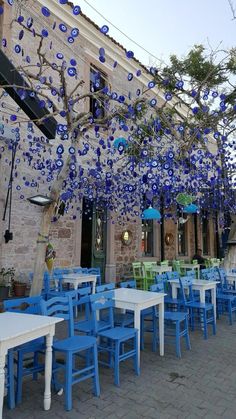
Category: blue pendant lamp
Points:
column 151, row 214
column 191, row 209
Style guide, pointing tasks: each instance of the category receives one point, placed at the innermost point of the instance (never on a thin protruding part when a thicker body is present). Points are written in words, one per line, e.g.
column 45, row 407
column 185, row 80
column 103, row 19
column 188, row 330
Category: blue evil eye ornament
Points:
column 63, row 27
column 129, row 54
column 76, row 10
column 71, row 71
column 60, row 56
column 74, row 32
column 45, row 11
column 104, row 29
column 17, row 49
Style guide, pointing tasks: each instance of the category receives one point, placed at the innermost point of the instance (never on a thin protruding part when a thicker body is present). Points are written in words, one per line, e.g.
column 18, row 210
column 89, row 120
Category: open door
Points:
column 93, row 246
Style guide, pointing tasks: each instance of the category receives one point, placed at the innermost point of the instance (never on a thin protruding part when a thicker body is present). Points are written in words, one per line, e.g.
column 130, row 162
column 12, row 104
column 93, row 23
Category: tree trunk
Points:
column 42, row 241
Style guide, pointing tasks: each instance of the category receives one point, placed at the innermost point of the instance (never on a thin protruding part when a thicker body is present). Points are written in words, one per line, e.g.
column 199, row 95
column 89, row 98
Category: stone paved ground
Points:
column 201, row 384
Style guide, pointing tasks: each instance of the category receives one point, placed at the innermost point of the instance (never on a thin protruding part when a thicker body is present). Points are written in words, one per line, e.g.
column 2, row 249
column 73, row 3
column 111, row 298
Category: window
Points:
column 97, row 82
column 182, row 240
column 205, row 235
column 147, row 238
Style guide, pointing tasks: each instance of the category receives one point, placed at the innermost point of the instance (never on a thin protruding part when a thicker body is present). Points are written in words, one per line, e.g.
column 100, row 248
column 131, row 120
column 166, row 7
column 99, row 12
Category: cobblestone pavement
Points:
column 200, row 384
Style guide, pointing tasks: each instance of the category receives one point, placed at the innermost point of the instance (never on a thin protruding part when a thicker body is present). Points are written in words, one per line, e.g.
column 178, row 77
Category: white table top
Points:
column 197, row 282
column 136, row 296
column 13, row 325
column 79, row 275
column 190, row 265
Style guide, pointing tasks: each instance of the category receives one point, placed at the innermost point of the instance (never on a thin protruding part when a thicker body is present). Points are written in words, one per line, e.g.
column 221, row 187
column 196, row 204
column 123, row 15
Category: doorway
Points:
column 93, row 244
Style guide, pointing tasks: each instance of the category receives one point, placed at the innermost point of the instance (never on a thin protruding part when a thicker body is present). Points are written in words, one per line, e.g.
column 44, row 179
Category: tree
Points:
column 154, row 143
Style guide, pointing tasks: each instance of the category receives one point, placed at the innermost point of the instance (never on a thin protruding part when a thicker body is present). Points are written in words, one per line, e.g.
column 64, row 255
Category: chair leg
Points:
column 205, row 324
column 35, row 374
column 230, row 313
column 10, row 373
column 187, row 338
column 177, row 339
column 214, row 324
column 20, row 361
column 136, row 367
column 68, row 379
column 142, row 333
column 154, row 337
column 117, row 363
column 96, row 372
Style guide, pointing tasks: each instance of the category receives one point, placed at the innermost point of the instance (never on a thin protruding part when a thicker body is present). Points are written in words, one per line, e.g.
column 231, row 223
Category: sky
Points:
column 165, row 27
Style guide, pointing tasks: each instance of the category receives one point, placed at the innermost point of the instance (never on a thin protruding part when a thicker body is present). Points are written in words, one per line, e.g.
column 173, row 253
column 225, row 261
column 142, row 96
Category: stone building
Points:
column 87, row 240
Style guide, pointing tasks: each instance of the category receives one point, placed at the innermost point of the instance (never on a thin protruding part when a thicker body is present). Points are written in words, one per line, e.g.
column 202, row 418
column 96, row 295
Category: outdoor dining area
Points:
column 107, row 323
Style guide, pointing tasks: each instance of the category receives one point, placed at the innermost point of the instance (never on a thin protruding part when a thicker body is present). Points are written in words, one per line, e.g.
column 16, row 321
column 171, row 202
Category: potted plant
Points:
column 6, row 280
column 20, row 285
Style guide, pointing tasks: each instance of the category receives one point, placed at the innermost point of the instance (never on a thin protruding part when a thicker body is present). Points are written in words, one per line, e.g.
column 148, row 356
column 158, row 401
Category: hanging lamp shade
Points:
column 151, row 214
column 120, row 142
column 191, row 209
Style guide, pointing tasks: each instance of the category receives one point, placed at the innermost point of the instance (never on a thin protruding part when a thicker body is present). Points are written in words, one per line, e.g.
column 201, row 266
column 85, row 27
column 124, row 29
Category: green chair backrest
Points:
column 137, row 270
column 194, row 261
column 164, row 262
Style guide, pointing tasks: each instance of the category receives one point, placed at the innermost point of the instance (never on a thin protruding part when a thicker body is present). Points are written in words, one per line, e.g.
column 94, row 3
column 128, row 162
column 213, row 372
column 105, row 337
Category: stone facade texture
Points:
column 26, row 217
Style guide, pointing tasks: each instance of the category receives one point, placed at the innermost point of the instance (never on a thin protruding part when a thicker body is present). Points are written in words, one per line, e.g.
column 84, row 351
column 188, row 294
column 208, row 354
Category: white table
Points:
column 231, row 277
column 160, row 269
column 137, row 300
column 18, row 328
column 199, row 285
column 78, row 279
column 190, row 266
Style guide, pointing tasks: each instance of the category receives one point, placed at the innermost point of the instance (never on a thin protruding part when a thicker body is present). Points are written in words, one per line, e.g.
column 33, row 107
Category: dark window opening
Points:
column 147, row 238
column 97, row 82
column 182, row 240
column 205, row 235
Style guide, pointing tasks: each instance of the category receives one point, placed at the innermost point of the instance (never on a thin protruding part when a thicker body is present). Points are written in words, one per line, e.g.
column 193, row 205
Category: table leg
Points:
column 48, row 371
column 202, row 295
column 198, row 273
column 213, row 299
column 173, row 290
column 2, row 381
column 161, row 327
column 94, row 287
column 137, row 326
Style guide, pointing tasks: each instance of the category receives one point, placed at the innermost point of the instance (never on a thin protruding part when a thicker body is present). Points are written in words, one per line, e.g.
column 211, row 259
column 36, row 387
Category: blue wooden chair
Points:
column 202, row 313
column 9, row 382
column 172, row 275
column 105, row 287
column 96, row 271
column 131, row 283
column 73, row 345
column 113, row 340
column 28, row 305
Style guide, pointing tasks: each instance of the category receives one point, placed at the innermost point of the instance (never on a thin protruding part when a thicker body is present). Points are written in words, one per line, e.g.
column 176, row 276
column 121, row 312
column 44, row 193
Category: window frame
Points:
column 205, row 235
column 183, row 230
column 147, row 228
column 92, row 101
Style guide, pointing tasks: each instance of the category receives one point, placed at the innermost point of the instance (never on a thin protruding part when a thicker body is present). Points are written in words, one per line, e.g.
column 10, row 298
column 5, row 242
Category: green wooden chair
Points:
column 149, row 275
column 138, row 274
column 164, row 263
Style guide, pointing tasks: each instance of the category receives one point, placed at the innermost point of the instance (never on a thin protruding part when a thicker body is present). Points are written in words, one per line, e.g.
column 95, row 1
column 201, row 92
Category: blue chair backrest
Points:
column 157, row 287
column 128, row 284
column 29, row 305
column 99, row 302
column 82, row 299
column 79, row 270
column 160, row 278
column 106, row 287
column 96, row 271
column 60, row 307
column 186, row 282
column 203, row 272
column 172, row 275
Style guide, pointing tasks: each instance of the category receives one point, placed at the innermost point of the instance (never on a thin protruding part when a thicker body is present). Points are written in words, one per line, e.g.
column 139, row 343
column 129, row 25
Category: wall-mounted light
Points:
column 126, row 237
column 41, row 200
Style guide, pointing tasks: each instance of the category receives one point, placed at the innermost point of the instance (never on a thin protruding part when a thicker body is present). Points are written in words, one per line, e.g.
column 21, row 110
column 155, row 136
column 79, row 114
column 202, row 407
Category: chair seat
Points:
column 74, row 343
column 227, row 297
column 86, row 326
column 175, row 316
column 170, row 300
column 118, row 333
column 196, row 304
